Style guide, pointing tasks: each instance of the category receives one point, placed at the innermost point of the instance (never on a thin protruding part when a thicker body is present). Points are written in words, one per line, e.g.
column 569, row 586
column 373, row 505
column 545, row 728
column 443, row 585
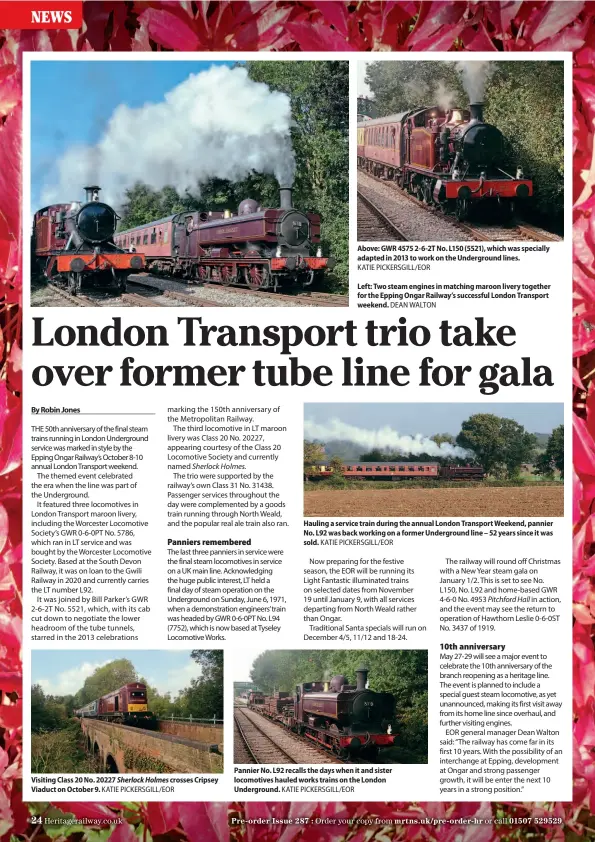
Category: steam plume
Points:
column 475, row 76
column 218, row 123
column 385, row 439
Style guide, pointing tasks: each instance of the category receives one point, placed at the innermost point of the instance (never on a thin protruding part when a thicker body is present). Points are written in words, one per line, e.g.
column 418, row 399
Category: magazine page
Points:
column 301, row 553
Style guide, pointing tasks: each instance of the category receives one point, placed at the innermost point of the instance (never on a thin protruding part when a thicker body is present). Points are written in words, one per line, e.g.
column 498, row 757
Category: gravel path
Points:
column 416, row 223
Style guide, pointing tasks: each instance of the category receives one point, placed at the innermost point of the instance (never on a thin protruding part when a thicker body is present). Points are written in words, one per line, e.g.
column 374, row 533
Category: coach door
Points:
column 187, row 235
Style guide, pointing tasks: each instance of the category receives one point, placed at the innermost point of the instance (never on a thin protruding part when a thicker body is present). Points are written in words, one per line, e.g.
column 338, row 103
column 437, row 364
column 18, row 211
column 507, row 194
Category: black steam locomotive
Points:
column 75, row 242
column 348, row 720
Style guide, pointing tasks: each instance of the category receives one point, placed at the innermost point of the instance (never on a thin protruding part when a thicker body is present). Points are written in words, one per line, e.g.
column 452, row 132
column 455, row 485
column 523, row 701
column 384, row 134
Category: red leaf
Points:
column 197, row 824
column 170, row 31
column 163, row 816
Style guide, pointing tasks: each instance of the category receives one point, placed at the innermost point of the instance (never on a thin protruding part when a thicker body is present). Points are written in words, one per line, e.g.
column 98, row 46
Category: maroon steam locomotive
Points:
column 397, row 471
column 449, row 158
column 262, row 248
column 75, row 242
column 348, row 720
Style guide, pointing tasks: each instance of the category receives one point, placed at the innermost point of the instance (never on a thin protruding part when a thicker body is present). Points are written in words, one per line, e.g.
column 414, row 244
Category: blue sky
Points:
column 92, row 90
column 431, row 418
column 64, row 672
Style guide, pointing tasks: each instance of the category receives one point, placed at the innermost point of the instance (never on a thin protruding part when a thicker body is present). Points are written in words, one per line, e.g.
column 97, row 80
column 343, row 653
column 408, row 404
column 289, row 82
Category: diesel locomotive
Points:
column 449, row 158
column 397, row 471
column 349, row 720
column 127, row 706
column 75, row 242
column 261, row 248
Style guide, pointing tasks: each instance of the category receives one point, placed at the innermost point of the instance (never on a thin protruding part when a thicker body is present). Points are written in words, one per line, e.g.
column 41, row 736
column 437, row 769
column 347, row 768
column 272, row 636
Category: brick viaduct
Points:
column 122, row 748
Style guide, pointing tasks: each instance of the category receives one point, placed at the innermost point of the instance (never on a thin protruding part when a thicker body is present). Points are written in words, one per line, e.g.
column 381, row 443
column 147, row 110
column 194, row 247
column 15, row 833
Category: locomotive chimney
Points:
column 285, row 199
column 476, row 109
column 92, row 193
column 362, row 677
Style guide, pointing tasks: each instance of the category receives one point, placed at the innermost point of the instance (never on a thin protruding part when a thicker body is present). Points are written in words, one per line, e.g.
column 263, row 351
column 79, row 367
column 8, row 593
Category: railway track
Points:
column 256, row 744
column 481, row 232
column 373, row 223
column 263, row 741
column 318, row 299
column 143, row 295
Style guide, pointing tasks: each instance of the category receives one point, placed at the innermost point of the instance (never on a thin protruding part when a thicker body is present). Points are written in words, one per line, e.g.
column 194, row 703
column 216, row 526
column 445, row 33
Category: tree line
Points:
column 201, row 699
column 319, row 95
column 501, row 446
column 404, row 673
column 524, row 99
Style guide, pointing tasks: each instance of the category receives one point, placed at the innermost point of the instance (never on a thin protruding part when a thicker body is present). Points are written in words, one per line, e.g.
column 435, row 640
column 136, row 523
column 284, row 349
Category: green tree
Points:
column 313, row 453
column 499, row 444
column 109, row 677
column 552, row 459
column 48, row 713
column 443, row 438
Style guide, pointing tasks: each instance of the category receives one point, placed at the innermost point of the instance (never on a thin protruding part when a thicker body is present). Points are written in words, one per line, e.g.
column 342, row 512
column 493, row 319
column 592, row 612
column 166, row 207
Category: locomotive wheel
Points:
column 227, row 275
column 427, row 192
column 74, row 283
column 203, row 273
column 257, row 277
column 462, row 209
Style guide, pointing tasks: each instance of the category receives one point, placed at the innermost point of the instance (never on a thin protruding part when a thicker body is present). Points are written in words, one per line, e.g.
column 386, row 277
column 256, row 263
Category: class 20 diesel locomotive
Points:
column 76, row 242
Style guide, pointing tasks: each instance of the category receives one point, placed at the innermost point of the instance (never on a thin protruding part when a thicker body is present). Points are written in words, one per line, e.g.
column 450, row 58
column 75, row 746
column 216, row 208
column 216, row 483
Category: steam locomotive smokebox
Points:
column 476, row 110
column 285, row 198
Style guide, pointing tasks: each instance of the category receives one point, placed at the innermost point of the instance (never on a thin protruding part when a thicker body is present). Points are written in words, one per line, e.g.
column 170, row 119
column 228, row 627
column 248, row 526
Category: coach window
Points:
column 401, row 467
column 392, row 468
column 165, row 236
column 359, row 468
column 153, row 236
column 146, row 240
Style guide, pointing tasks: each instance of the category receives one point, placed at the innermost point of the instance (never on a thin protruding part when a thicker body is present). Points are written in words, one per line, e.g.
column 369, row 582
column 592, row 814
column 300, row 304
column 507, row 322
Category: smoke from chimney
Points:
column 475, row 76
column 385, row 439
column 218, row 123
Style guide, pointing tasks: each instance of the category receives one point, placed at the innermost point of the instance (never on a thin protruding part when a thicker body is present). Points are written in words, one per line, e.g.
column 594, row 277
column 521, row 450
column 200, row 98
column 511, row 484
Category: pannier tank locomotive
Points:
column 261, row 248
column 350, row 720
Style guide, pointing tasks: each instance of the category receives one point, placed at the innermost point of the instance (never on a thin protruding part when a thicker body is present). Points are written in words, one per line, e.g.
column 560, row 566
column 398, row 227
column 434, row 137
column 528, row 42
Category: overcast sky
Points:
column 431, row 418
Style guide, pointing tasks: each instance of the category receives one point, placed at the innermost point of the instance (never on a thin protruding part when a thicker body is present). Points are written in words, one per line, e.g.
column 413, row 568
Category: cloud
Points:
column 67, row 683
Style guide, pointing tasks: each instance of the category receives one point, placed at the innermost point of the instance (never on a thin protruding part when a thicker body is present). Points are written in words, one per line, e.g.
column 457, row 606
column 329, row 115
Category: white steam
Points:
column 218, row 123
column 385, row 439
column 443, row 97
column 475, row 76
